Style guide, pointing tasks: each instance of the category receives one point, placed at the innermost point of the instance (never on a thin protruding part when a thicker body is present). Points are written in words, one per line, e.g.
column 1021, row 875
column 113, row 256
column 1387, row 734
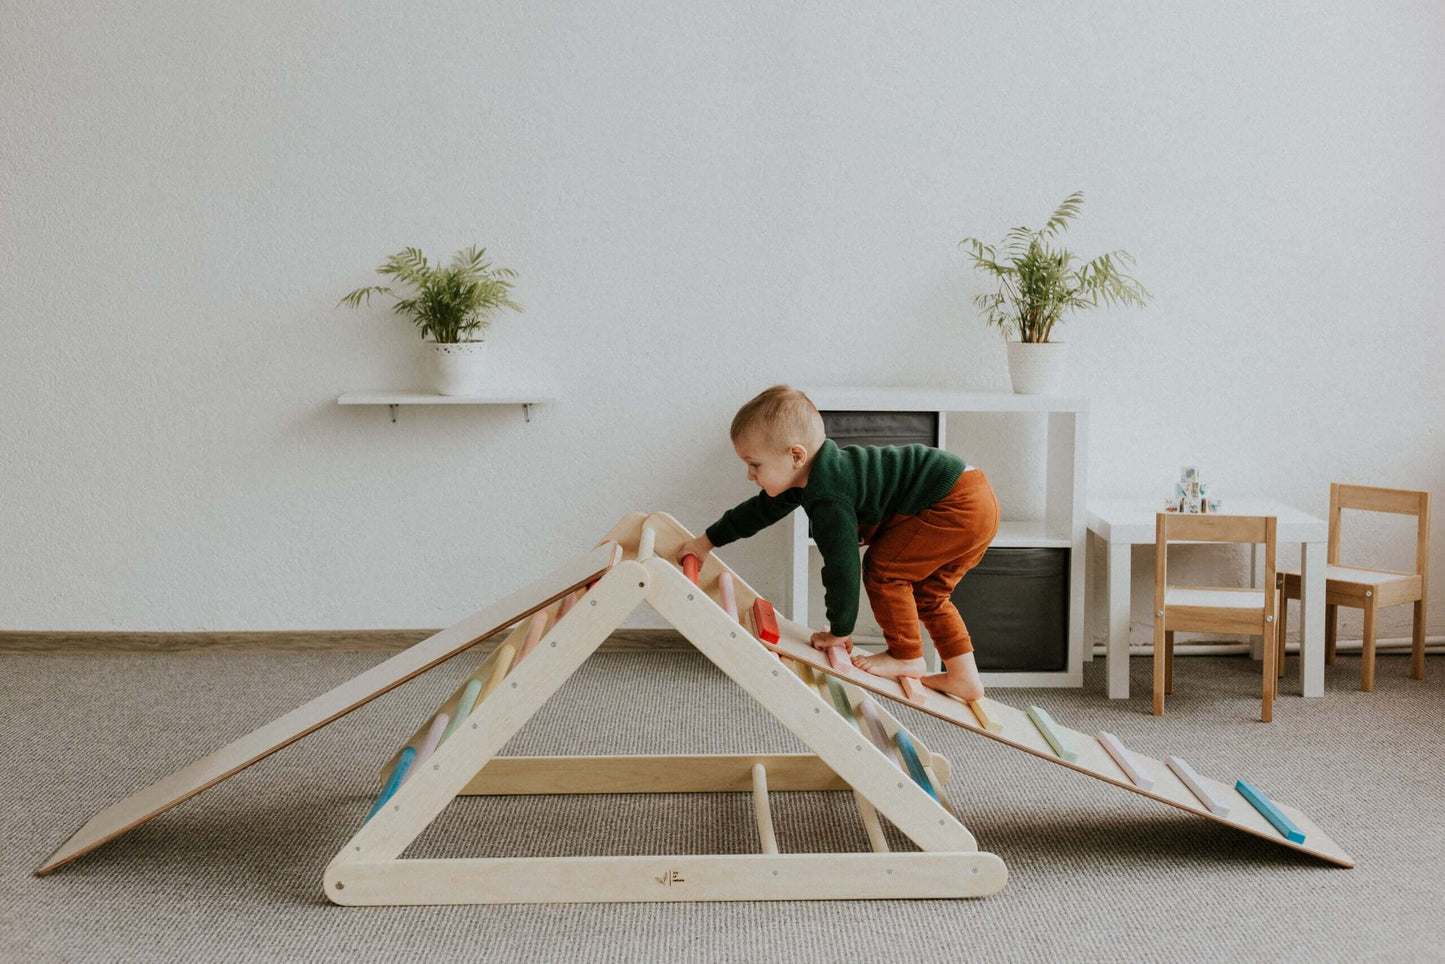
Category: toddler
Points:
column 924, row 514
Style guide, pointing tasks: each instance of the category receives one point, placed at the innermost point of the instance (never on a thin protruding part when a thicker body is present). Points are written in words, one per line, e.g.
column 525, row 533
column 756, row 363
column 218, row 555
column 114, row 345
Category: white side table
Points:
column 1122, row 523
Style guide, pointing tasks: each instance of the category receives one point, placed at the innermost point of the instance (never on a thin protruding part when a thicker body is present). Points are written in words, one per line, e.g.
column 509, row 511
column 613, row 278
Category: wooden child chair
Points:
column 1370, row 589
column 1208, row 609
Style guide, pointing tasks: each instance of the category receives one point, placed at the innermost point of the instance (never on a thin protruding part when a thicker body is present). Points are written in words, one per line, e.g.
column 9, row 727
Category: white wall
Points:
column 701, row 200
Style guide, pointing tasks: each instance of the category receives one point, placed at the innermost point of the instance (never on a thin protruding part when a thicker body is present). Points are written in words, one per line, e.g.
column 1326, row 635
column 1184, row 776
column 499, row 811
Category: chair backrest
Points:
column 1210, row 527
column 1373, row 499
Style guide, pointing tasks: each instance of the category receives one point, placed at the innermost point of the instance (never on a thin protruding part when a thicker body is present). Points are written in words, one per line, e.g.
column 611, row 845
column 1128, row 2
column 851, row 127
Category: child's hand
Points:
column 698, row 546
column 825, row 639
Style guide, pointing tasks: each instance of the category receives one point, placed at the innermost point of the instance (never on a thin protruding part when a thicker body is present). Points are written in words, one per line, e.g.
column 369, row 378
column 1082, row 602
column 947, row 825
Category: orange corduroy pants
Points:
column 914, row 562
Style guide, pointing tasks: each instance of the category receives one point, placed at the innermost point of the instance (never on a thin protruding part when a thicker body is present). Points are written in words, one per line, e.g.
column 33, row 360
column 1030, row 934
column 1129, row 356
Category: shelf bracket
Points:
column 393, row 413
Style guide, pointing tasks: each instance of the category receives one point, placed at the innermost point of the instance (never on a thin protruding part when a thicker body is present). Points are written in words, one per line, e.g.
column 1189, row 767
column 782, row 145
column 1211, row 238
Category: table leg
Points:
column 1256, row 643
column 1090, row 594
column 1312, row 618
column 1118, row 555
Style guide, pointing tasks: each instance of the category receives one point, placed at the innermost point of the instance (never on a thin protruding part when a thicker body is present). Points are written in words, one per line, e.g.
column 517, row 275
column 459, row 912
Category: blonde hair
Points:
column 780, row 417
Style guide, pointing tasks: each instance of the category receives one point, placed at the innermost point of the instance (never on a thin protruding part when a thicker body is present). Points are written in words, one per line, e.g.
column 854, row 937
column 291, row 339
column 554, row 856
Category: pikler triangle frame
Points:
column 535, row 661
column 502, row 695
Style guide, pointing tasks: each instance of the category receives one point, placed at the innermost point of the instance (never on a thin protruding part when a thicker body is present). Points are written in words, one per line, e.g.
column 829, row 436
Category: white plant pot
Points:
column 457, row 368
column 1036, row 369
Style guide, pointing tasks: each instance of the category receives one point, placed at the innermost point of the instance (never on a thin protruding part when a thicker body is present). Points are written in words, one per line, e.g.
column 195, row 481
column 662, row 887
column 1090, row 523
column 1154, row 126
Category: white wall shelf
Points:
column 1062, row 527
column 392, row 399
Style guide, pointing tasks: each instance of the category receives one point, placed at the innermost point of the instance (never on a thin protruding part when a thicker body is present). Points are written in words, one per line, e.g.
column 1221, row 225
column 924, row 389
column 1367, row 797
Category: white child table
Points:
column 1122, row 523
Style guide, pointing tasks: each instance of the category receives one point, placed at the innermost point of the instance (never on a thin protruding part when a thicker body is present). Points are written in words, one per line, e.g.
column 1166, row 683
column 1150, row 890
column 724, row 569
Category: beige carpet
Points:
column 1097, row 874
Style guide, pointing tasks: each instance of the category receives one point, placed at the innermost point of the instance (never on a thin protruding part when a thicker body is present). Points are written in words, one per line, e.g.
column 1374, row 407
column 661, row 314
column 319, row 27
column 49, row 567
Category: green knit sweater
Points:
column 848, row 487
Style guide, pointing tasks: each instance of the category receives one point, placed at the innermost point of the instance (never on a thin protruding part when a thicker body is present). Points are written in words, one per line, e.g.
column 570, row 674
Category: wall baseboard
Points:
column 337, row 641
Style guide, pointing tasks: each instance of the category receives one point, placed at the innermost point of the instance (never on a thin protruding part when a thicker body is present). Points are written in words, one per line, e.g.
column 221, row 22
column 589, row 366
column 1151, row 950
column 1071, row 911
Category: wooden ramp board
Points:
column 1019, row 731
column 241, row 753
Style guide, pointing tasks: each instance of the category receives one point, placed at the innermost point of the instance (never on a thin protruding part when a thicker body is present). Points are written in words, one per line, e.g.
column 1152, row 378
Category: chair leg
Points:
column 1331, row 619
column 1169, row 661
column 1159, row 660
column 1283, row 625
column 1367, row 652
column 1417, row 643
column 1271, row 677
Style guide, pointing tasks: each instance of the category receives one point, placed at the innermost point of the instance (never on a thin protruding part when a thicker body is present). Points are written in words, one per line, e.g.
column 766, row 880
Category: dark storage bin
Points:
column 1015, row 603
column 881, row 428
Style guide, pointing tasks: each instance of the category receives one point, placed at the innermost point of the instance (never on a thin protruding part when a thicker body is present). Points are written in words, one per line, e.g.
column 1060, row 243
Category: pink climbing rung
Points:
column 729, row 598
column 535, row 630
column 690, row 566
column 568, row 601
column 428, row 744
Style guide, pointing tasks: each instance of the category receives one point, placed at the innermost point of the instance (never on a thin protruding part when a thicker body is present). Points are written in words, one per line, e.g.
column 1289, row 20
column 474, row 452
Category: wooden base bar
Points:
column 705, row 773
column 531, row 880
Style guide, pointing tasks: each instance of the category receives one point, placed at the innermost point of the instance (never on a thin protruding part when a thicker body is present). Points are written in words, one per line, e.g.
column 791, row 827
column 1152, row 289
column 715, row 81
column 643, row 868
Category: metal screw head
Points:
column 1159, row 614
column 689, row 595
column 514, row 685
column 1269, row 619
column 591, row 602
column 1368, row 593
column 339, row 884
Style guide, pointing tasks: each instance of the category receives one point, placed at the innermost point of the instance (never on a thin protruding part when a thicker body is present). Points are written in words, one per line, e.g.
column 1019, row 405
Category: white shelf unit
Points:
column 1063, row 525
column 392, row 399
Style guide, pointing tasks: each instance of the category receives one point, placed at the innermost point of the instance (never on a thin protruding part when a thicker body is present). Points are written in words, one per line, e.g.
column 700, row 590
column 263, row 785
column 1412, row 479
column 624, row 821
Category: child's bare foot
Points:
column 959, row 678
column 891, row 667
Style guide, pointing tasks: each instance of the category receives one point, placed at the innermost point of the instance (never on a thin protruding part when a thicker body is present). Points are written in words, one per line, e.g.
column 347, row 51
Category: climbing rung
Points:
column 1126, row 761
column 1053, row 734
column 1269, row 811
column 766, row 838
column 1198, row 787
column 646, row 544
column 429, row 745
column 915, row 765
column 398, row 773
column 728, row 593
column 871, row 824
column 993, row 726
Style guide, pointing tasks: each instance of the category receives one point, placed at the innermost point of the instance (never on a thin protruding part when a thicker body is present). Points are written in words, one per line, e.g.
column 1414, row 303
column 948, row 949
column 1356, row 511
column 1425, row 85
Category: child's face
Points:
column 776, row 472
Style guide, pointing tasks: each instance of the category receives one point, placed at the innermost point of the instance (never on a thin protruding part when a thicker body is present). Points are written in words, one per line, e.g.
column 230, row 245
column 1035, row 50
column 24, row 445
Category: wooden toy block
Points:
column 1053, row 734
column 398, row 774
column 915, row 765
column 1131, row 767
column 728, row 596
column 765, row 621
column 1198, row 787
column 690, row 567
column 1269, row 811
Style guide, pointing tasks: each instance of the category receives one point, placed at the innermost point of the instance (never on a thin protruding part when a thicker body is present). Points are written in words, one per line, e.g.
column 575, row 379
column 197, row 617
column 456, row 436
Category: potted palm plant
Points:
column 1037, row 286
column 453, row 304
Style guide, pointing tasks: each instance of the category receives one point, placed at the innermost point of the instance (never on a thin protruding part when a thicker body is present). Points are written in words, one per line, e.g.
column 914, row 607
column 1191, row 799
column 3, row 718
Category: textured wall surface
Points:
column 701, row 201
